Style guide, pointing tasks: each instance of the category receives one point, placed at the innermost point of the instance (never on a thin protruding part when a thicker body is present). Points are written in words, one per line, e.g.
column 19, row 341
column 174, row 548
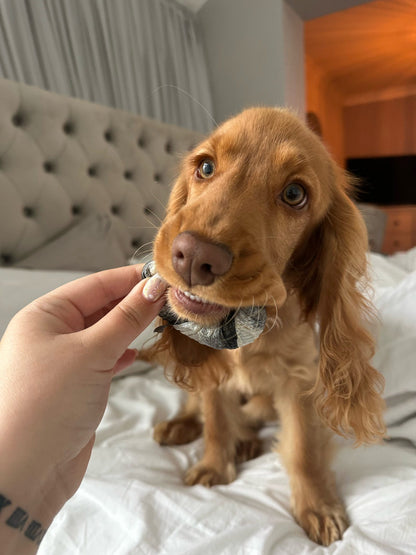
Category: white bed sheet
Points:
column 133, row 501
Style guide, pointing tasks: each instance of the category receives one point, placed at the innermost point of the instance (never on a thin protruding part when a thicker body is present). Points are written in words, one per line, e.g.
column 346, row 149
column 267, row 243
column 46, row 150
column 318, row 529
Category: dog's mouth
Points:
column 213, row 324
column 209, row 323
column 192, row 307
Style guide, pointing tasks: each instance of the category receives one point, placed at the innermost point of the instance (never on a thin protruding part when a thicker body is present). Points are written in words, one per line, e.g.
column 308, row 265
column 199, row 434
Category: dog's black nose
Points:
column 198, row 261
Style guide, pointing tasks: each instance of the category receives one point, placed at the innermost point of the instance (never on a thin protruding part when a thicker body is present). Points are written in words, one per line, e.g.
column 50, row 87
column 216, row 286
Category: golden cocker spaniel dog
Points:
column 260, row 215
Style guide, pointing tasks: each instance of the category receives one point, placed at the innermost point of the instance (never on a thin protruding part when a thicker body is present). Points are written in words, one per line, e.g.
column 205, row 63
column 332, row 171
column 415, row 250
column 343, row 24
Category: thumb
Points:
column 111, row 335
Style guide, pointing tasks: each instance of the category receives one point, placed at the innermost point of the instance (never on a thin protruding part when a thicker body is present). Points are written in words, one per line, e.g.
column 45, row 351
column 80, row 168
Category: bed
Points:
column 76, row 174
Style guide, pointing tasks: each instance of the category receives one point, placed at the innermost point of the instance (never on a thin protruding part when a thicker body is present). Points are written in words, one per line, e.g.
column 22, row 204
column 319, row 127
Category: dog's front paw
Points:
column 177, row 431
column 325, row 525
column 208, row 476
column 248, row 449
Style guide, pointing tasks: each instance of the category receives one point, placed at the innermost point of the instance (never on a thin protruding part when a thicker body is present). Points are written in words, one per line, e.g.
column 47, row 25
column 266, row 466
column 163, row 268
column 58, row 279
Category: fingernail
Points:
column 154, row 288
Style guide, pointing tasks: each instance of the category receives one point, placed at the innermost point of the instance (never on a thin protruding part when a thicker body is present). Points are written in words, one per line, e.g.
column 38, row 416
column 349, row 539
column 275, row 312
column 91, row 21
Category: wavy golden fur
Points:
column 306, row 263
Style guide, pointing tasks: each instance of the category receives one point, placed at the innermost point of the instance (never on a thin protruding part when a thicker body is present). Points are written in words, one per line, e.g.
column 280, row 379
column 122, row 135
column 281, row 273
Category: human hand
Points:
column 57, row 358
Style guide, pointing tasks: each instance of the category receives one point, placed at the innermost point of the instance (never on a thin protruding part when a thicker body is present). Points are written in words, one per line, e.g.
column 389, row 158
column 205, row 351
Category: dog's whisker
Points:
column 163, row 205
column 145, row 227
column 186, row 93
column 236, row 309
column 143, row 252
column 276, row 322
column 151, row 212
column 151, row 226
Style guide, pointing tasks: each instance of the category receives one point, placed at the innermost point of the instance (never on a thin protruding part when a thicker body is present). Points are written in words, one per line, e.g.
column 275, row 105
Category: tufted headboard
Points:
column 63, row 160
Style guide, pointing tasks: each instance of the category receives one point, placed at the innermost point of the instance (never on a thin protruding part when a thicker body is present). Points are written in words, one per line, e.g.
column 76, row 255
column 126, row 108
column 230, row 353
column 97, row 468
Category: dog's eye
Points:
column 294, row 195
column 206, row 169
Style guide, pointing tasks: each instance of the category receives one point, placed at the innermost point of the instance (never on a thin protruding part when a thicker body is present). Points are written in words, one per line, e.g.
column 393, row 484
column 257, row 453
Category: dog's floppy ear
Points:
column 188, row 364
column 348, row 388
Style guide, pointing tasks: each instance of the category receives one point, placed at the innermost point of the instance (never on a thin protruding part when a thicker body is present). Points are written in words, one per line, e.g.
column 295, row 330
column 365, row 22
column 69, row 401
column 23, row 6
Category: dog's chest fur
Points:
column 281, row 355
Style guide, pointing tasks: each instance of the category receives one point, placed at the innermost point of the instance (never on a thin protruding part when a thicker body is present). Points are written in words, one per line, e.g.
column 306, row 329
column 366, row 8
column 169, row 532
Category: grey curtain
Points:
column 143, row 56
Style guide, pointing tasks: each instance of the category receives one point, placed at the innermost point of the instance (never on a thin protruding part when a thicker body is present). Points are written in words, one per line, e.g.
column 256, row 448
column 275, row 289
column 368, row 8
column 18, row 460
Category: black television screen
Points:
column 385, row 180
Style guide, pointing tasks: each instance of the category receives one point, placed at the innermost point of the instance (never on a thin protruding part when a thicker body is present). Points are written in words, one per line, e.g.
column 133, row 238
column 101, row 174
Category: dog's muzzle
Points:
column 240, row 327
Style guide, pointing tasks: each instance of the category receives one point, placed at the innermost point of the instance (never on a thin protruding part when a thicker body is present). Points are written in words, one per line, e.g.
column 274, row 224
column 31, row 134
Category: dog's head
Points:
column 246, row 198
column 260, row 210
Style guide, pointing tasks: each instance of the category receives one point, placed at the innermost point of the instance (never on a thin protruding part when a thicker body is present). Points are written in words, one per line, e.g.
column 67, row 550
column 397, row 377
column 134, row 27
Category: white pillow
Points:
column 395, row 299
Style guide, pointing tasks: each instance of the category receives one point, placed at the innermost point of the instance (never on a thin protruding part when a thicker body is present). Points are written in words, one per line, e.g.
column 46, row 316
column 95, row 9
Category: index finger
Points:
column 93, row 292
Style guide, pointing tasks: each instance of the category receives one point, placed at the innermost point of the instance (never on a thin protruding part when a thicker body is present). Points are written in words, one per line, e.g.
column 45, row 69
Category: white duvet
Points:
column 133, row 500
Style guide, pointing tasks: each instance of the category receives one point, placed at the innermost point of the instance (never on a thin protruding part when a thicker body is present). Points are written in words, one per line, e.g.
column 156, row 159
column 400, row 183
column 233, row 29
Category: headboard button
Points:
column 76, row 210
column 68, row 128
column 6, row 259
column 28, row 212
column 92, row 171
column 18, row 119
column 128, row 174
column 48, row 167
column 108, row 136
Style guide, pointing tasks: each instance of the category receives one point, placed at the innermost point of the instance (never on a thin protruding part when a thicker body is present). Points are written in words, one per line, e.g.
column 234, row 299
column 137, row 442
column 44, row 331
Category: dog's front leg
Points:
column 184, row 427
column 306, row 452
column 217, row 465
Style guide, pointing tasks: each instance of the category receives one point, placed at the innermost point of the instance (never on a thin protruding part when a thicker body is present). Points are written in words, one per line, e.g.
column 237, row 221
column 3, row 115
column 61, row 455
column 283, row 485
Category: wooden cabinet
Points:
column 400, row 234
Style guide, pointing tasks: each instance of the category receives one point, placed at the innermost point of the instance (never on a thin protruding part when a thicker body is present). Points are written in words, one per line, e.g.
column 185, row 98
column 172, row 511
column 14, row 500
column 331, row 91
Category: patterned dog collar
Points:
column 240, row 327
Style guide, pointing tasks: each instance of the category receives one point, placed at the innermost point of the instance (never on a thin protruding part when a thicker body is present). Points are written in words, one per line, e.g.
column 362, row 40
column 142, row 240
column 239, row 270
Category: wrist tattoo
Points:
column 19, row 519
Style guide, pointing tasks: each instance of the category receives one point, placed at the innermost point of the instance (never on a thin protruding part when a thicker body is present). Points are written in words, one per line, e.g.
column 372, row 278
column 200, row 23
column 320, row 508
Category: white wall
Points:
column 309, row 9
column 294, row 59
column 254, row 51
